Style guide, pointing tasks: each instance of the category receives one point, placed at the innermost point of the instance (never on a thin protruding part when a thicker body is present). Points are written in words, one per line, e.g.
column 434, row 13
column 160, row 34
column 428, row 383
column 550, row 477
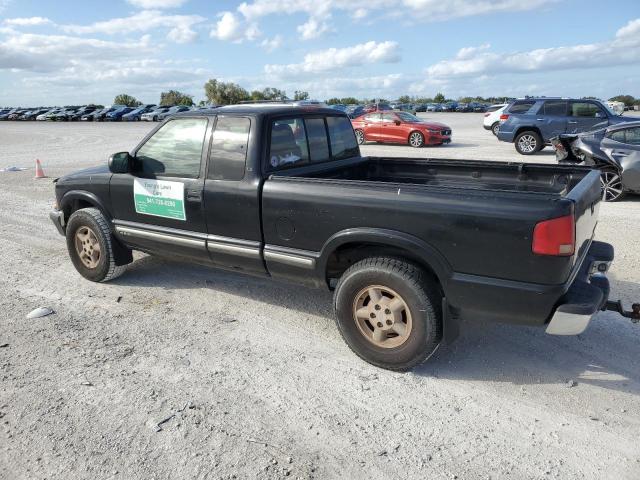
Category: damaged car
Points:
column 614, row 150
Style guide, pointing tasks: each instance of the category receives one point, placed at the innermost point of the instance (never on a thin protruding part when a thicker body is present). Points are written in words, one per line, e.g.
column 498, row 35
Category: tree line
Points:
column 228, row 93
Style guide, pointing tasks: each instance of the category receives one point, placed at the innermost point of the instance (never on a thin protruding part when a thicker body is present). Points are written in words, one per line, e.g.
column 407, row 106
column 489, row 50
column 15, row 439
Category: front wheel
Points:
column 416, row 140
column 90, row 243
column 611, row 183
column 388, row 311
column 528, row 143
column 360, row 136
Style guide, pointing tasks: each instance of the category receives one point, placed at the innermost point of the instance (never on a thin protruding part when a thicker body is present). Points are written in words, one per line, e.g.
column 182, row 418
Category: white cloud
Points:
column 339, row 58
column 48, row 53
column 27, row 22
column 181, row 26
column 624, row 49
column 153, row 4
column 319, row 12
column 232, row 28
column 271, row 44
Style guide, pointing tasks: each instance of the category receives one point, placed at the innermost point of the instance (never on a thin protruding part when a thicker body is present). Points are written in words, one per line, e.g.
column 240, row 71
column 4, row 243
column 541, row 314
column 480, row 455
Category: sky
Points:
column 77, row 52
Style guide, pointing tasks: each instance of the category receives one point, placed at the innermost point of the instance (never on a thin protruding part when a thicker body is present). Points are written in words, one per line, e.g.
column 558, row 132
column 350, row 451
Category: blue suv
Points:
column 530, row 123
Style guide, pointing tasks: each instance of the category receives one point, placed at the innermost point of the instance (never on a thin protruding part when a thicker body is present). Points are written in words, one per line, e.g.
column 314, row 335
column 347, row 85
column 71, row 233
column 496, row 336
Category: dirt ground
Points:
column 178, row 371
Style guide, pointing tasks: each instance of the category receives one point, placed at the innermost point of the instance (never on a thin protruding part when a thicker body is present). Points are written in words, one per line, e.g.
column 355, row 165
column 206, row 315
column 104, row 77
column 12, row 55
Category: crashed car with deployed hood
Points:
column 614, row 150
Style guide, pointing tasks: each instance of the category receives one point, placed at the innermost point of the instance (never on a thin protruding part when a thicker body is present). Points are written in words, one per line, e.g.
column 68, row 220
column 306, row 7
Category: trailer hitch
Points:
column 633, row 314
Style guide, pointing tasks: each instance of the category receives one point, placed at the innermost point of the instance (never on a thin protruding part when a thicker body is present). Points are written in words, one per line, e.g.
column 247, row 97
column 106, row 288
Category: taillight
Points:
column 555, row 237
column 504, row 117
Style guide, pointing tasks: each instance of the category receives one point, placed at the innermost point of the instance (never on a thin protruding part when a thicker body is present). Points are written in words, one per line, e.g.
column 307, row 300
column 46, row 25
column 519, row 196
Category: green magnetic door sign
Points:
column 159, row 198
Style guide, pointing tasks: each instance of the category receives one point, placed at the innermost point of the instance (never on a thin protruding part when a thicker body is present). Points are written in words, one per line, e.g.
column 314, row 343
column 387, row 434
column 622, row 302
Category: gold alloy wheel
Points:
column 87, row 247
column 382, row 316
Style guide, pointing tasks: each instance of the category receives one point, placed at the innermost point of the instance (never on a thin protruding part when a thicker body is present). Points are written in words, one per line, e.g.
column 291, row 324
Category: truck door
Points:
column 552, row 118
column 232, row 197
column 158, row 205
column 584, row 116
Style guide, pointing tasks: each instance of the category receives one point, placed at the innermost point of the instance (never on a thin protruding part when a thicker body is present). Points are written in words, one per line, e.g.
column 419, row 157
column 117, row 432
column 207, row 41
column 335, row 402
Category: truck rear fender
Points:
column 351, row 245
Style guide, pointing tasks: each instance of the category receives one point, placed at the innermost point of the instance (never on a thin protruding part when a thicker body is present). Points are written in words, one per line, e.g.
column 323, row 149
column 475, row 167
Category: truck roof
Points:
column 262, row 109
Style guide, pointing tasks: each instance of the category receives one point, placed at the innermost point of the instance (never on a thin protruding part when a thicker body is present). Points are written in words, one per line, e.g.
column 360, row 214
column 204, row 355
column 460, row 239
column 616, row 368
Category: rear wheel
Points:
column 528, row 143
column 416, row 139
column 611, row 183
column 389, row 312
column 90, row 244
column 495, row 127
column 359, row 136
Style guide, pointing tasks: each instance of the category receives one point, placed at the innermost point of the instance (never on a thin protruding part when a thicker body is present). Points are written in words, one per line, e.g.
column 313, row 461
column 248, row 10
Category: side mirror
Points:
column 120, row 162
column 599, row 115
column 398, row 122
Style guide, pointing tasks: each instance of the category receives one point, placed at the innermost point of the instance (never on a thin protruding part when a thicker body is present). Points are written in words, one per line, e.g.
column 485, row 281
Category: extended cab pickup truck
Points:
column 410, row 246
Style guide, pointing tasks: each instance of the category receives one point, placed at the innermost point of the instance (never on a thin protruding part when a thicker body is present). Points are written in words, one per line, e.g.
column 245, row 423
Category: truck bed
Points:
column 478, row 216
column 464, row 174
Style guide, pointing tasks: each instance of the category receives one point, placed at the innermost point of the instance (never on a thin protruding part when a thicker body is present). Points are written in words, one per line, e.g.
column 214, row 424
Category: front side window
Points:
column 632, row 136
column 584, row 109
column 229, row 148
column 343, row 140
column 173, row 151
column 617, row 136
column 373, row 118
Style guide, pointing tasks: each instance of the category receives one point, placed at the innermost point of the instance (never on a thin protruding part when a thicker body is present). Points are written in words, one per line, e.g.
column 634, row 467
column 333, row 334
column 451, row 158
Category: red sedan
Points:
column 400, row 127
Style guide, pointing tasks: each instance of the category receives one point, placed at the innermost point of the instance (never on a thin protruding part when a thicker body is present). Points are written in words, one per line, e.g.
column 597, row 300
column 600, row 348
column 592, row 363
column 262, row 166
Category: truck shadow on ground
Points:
column 605, row 355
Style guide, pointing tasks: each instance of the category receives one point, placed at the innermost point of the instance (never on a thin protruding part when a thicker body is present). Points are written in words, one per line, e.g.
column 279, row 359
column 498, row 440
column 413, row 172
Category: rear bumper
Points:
column 505, row 136
column 491, row 299
column 587, row 295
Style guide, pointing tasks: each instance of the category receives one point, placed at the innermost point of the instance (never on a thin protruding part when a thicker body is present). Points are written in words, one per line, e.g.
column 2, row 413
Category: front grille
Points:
column 446, row 132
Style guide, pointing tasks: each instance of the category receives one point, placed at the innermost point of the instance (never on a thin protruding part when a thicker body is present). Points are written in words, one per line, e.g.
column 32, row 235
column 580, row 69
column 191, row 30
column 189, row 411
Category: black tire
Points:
column 420, row 295
column 611, row 184
column 528, row 142
column 495, row 127
column 416, row 139
column 360, row 136
column 155, row 118
column 92, row 220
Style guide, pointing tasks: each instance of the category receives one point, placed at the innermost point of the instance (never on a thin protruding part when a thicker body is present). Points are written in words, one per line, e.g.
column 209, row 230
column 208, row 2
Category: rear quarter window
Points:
column 521, row 106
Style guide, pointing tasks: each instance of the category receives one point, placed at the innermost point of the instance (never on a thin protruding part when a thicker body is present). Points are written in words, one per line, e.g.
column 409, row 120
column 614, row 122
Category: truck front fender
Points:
column 69, row 198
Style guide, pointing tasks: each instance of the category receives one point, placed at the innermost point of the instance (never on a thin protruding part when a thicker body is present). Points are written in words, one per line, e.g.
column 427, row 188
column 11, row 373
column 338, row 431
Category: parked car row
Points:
column 95, row 113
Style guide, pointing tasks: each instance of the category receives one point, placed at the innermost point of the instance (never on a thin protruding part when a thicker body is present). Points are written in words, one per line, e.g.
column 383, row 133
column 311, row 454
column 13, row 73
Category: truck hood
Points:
column 100, row 170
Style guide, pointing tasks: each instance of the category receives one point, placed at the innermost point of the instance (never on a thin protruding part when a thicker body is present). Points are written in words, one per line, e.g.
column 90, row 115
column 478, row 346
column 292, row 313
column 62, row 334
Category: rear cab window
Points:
column 521, row 106
column 309, row 140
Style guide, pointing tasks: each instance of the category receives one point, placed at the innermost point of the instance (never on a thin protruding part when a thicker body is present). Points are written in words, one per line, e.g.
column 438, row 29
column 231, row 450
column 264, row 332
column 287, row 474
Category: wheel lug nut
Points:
column 378, row 307
column 389, row 322
column 372, row 315
column 380, row 325
column 387, row 311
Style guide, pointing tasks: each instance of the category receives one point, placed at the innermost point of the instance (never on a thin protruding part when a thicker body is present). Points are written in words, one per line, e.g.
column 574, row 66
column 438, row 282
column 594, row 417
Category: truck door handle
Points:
column 572, row 122
column 194, row 196
column 540, row 119
column 620, row 153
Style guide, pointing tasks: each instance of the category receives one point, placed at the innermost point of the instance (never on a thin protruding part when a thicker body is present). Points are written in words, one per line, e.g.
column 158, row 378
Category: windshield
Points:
column 408, row 117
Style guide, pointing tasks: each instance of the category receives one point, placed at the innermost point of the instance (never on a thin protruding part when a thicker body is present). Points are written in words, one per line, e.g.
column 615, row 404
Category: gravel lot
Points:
column 178, row 371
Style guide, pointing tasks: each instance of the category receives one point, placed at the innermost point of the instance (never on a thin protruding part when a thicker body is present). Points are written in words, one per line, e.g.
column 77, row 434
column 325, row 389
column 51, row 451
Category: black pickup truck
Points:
column 410, row 246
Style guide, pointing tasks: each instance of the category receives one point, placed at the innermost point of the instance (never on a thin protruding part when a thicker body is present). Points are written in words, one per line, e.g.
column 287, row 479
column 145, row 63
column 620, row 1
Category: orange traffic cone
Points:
column 39, row 171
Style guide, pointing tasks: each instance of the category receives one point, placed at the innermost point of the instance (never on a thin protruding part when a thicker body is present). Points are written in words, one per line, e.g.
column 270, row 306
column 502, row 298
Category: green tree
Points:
column 127, row 100
column 333, row 101
column 300, row 95
column 271, row 93
column 349, row 100
column 173, row 97
column 404, row 99
column 225, row 93
column 628, row 100
column 256, row 95
column 439, row 98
